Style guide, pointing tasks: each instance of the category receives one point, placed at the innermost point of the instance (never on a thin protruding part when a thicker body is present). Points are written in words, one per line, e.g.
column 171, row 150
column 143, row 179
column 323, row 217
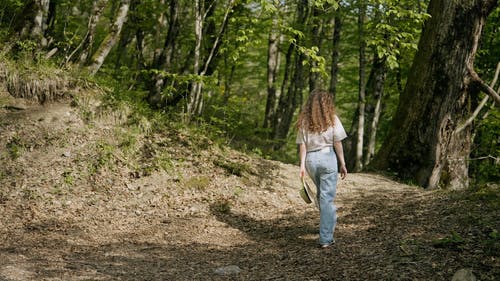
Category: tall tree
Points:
column 273, row 62
column 195, row 105
column 164, row 60
column 337, row 31
column 421, row 145
column 89, row 37
column 360, row 132
column 318, row 23
column 375, row 89
column 111, row 39
column 294, row 79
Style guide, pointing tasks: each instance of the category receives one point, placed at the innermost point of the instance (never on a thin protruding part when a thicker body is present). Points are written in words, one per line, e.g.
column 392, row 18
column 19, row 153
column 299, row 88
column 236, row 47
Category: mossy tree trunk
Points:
column 421, row 146
column 111, row 39
column 88, row 40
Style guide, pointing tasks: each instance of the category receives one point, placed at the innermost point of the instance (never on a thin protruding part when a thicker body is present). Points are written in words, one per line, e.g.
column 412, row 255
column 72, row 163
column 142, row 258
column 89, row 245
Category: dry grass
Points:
column 41, row 84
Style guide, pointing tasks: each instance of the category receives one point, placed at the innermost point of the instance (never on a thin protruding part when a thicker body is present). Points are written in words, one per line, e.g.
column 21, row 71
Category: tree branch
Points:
column 476, row 80
column 481, row 104
column 219, row 36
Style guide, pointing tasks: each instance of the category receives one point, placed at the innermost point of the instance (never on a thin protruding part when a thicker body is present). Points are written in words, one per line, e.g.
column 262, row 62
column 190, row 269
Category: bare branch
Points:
column 219, row 36
column 481, row 104
column 495, row 78
column 472, row 117
column 484, row 87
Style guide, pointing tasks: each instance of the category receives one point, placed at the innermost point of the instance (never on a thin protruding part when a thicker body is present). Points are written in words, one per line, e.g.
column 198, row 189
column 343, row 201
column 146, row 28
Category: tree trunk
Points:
column 379, row 71
column 110, row 40
column 195, row 99
column 195, row 105
column 51, row 18
column 273, row 61
column 290, row 100
column 36, row 26
column 337, row 30
column 421, row 145
column 131, row 32
column 358, row 165
column 164, row 60
column 317, row 40
column 88, row 40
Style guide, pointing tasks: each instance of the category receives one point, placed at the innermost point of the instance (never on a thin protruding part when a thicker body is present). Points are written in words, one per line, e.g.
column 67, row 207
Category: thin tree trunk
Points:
column 196, row 102
column 88, row 40
column 290, row 100
column 337, row 31
column 160, row 25
column 317, row 41
column 379, row 75
column 50, row 20
column 196, row 86
column 110, row 40
column 358, row 165
column 164, row 60
column 273, row 61
column 228, row 81
column 279, row 112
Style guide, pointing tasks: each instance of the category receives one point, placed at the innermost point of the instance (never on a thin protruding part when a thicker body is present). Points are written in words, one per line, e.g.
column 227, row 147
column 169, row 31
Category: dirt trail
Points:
column 194, row 219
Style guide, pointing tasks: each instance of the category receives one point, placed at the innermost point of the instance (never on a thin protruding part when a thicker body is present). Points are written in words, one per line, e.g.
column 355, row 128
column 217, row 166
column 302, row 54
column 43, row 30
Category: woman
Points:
column 319, row 137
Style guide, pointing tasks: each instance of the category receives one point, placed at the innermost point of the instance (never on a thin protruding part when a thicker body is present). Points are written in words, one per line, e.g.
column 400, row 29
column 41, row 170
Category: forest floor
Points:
column 82, row 198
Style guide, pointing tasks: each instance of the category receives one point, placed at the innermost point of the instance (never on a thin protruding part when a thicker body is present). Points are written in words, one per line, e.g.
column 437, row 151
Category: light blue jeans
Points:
column 322, row 167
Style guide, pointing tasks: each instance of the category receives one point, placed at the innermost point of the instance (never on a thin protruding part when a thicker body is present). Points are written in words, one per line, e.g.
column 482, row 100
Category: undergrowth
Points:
column 477, row 212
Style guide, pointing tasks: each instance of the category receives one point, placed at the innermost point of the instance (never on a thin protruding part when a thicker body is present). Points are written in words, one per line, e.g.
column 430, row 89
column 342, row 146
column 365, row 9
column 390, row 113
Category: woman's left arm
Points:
column 302, row 156
column 339, row 150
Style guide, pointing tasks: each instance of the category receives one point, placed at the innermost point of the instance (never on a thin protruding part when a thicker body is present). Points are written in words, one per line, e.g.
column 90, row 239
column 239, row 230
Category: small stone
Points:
column 464, row 274
column 67, row 154
column 228, row 270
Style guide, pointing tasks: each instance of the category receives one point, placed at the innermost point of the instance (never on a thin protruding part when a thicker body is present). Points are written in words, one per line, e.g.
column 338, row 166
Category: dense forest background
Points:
column 239, row 70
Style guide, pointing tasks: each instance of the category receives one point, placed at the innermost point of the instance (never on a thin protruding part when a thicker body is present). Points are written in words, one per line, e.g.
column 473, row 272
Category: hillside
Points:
column 89, row 192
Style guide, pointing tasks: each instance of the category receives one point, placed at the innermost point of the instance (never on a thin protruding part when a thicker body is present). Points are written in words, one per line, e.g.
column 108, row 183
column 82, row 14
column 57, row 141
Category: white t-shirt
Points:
column 317, row 141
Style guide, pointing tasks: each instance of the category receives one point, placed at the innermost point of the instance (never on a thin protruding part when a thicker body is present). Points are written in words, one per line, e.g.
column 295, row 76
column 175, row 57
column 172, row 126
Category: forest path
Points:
column 196, row 221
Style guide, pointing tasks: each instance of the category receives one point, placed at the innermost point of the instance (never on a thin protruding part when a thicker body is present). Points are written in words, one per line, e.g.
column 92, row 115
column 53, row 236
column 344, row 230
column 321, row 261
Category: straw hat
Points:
column 307, row 193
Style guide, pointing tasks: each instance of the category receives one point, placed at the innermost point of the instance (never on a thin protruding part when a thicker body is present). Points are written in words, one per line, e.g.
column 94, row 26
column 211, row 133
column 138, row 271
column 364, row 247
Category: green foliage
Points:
column 313, row 55
column 453, row 240
column 68, row 178
column 9, row 11
column 15, row 147
column 395, row 29
column 489, row 49
column 492, row 243
column 484, row 166
column 104, row 158
column 326, row 4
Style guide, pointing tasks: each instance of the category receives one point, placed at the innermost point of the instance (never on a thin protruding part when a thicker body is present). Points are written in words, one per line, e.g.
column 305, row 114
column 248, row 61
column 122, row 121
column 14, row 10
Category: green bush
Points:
column 485, row 165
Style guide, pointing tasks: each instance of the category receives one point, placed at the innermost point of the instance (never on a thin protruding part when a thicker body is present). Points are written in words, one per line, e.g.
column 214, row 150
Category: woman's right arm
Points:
column 339, row 150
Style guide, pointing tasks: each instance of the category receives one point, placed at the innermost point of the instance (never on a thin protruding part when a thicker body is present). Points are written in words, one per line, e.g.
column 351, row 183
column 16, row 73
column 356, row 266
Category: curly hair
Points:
column 318, row 112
